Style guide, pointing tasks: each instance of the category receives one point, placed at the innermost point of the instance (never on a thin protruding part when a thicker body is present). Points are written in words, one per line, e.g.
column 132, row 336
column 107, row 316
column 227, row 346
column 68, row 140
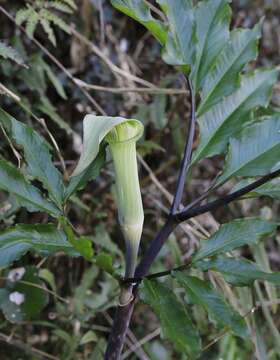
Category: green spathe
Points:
column 121, row 135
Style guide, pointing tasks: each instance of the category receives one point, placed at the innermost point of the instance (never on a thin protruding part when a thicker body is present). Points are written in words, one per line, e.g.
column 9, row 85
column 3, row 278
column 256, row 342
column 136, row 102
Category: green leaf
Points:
column 175, row 322
column 254, row 151
column 104, row 261
column 89, row 336
column 140, row 11
column 10, row 310
column 33, row 291
column 202, row 293
column 180, row 38
column 224, row 119
column 90, row 173
column 31, row 23
column 270, row 189
column 44, row 239
column 13, row 181
column 83, row 245
column 103, row 239
column 225, row 77
column 54, row 80
column 212, row 19
column 37, row 156
column 56, row 20
column 7, row 52
column 88, row 278
column 48, row 30
column 46, row 107
column 238, row 272
column 233, row 235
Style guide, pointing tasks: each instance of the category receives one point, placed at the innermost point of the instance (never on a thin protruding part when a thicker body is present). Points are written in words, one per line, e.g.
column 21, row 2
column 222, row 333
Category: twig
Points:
column 56, row 62
column 157, row 275
column 187, row 155
column 140, row 343
column 28, row 283
column 120, row 90
column 114, row 68
column 28, row 349
column 188, row 213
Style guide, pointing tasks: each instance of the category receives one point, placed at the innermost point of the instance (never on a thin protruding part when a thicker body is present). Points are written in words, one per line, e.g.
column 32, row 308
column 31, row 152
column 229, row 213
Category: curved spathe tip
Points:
column 97, row 128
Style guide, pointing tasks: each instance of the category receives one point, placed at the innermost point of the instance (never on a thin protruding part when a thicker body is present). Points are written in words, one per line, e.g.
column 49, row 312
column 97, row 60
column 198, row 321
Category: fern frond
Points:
column 40, row 12
column 31, row 23
column 48, row 30
column 22, row 15
column 7, row 52
column 70, row 3
column 49, row 16
column 57, row 5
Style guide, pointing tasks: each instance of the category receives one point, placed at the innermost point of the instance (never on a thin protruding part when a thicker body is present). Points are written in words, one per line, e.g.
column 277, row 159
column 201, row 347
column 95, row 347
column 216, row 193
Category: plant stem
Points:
column 187, row 155
column 123, row 313
column 190, row 212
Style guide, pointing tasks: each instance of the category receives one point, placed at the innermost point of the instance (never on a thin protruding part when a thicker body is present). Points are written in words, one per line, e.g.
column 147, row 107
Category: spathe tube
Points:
column 121, row 134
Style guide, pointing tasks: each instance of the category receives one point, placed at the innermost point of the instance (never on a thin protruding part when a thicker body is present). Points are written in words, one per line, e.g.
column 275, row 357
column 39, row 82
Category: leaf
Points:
column 7, row 52
column 34, row 77
column 104, row 261
column 83, row 245
column 140, row 11
column 31, row 23
column 90, row 173
column 254, row 151
column 10, row 310
column 270, row 189
column 224, row 119
column 233, row 235
column 22, row 15
column 89, row 336
column 81, row 291
column 60, row 7
column 203, row 293
column 44, row 239
column 71, row 3
column 212, row 19
column 103, row 239
column 48, row 30
column 95, row 128
column 238, row 272
column 105, row 298
column 54, row 80
column 225, row 77
column 13, row 181
column 180, row 38
column 46, row 107
column 175, row 322
column 56, row 20
column 37, row 156
column 31, row 287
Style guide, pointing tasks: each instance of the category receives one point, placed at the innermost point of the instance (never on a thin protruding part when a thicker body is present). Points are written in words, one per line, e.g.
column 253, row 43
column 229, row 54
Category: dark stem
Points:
column 118, row 333
column 154, row 248
column 123, row 313
column 188, row 212
column 187, row 154
column 157, row 274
